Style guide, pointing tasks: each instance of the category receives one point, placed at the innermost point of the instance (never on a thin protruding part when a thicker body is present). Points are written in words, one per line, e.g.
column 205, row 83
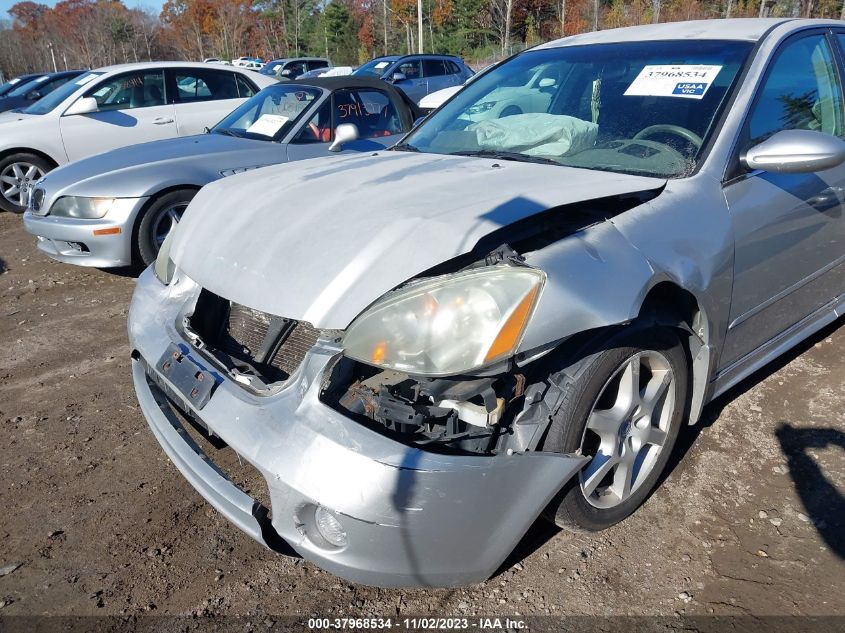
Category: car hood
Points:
column 138, row 170
column 320, row 240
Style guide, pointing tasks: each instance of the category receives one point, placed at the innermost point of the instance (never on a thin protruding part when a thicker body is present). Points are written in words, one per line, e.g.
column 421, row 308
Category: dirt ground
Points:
column 96, row 520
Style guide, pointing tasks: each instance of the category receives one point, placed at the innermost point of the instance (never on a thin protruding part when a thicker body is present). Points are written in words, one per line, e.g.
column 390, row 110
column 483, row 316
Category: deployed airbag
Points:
column 536, row 133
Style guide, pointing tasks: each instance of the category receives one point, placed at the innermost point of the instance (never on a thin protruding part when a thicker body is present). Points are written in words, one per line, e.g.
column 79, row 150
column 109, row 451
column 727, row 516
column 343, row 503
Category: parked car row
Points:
column 426, row 340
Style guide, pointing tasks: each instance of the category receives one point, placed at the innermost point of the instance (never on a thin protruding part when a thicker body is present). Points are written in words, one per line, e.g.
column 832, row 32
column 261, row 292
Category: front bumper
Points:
column 412, row 518
column 73, row 241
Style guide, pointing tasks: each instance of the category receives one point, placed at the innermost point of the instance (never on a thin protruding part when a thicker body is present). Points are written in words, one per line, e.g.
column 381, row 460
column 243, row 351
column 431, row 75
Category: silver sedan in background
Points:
column 116, row 208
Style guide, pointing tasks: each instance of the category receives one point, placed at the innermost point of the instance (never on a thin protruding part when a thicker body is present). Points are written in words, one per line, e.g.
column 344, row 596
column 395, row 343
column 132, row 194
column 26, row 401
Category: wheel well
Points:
column 28, row 150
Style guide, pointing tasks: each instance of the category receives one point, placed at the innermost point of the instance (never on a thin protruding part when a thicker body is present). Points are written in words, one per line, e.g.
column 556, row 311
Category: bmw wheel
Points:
column 159, row 218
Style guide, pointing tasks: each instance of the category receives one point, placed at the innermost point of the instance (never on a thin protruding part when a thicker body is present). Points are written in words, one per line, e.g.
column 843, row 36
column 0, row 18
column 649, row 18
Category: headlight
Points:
column 164, row 268
column 447, row 325
column 84, row 208
column 478, row 108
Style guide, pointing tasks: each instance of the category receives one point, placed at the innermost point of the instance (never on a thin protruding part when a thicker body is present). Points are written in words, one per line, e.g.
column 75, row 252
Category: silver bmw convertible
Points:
column 410, row 355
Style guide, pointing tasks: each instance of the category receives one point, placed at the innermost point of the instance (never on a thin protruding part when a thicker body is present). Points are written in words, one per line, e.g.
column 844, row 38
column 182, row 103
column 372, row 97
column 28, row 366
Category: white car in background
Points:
column 113, row 107
column 530, row 92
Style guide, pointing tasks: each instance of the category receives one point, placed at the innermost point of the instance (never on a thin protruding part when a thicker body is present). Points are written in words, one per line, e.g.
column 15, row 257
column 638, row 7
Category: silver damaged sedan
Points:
column 417, row 352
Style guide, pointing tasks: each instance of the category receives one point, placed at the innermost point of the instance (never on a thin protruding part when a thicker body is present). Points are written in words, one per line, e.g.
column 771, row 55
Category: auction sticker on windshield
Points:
column 686, row 81
column 268, row 124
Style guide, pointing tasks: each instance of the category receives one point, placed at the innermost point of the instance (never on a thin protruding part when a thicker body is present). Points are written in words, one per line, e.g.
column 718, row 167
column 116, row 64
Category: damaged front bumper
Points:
column 411, row 517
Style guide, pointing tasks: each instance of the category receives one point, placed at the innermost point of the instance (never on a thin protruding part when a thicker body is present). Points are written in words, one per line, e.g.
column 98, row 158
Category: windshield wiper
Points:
column 502, row 155
column 405, row 147
column 228, row 132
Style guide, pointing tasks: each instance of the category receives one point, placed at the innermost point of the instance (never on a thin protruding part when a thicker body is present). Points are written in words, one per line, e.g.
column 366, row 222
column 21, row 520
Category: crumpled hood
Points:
column 320, row 240
column 133, row 171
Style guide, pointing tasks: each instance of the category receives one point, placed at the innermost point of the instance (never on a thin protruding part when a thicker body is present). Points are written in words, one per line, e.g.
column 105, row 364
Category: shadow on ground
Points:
column 823, row 502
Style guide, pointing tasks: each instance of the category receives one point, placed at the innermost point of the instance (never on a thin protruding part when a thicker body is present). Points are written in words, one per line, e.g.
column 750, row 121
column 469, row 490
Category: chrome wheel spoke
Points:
column 9, row 180
column 596, row 471
column 623, row 477
column 655, row 391
column 31, row 172
column 605, row 423
column 16, row 169
column 628, row 396
column 11, row 191
column 654, row 436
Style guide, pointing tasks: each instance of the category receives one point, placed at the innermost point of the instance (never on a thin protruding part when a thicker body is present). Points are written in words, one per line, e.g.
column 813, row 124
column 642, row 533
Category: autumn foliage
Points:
column 93, row 33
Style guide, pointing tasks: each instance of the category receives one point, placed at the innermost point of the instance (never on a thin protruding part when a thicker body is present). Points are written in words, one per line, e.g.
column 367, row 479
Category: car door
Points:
column 788, row 228
column 376, row 116
column 204, row 96
column 131, row 108
column 414, row 85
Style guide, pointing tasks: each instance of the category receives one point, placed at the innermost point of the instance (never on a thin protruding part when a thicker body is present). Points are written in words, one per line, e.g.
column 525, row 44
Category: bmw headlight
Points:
column 83, row 208
column 164, row 268
column 447, row 325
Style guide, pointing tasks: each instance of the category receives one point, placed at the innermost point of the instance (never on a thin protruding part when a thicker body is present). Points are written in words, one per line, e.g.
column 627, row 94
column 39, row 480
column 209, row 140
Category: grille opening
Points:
column 252, row 342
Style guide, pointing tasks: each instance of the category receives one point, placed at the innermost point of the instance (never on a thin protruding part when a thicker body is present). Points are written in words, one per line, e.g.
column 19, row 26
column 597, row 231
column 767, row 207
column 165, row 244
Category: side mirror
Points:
column 33, row 95
column 85, row 105
column 796, row 152
column 345, row 133
column 397, row 77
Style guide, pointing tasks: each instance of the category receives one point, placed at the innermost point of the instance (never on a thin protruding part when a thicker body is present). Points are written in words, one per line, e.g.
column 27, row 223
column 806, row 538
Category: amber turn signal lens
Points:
column 115, row 230
column 508, row 337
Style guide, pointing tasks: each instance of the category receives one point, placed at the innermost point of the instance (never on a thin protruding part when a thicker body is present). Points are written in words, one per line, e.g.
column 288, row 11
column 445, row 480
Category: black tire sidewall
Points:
column 21, row 157
column 144, row 249
column 570, row 508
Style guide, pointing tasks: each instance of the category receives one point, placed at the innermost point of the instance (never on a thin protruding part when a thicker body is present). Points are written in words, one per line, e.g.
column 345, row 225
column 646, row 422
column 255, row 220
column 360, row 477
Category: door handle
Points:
column 162, row 120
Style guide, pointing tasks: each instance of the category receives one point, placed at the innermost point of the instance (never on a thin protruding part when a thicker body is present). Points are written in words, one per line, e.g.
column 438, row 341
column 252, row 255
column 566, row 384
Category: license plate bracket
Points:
column 194, row 383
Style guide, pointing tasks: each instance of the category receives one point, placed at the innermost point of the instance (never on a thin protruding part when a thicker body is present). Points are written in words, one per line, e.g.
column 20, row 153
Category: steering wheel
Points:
column 315, row 131
column 667, row 128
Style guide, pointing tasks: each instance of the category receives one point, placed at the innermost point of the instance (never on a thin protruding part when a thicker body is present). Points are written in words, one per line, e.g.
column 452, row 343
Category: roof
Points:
column 747, row 29
column 144, row 65
column 296, row 59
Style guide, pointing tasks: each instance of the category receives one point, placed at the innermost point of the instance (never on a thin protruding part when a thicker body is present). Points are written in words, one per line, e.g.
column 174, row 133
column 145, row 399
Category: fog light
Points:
column 329, row 527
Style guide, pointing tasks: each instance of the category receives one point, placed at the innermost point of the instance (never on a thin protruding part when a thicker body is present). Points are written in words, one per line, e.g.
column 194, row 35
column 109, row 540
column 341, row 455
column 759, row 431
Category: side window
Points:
column 371, row 111
column 245, row 88
column 317, row 63
column 434, row 68
column 205, row 85
column 452, row 67
column 801, row 92
column 132, row 90
column 293, row 69
column 319, row 129
column 410, row 69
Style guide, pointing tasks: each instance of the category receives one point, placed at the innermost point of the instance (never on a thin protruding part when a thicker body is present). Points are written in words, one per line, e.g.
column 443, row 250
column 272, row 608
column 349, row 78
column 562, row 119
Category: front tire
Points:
column 158, row 219
column 18, row 175
column 623, row 407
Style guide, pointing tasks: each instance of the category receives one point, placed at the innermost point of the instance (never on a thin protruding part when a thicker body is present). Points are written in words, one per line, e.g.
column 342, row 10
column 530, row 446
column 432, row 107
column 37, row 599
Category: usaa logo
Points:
column 690, row 88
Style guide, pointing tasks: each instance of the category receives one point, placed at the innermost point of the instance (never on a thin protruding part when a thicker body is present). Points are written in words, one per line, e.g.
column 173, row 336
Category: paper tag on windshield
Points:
column 268, row 124
column 86, row 79
column 382, row 64
column 14, row 81
column 687, row 82
column 42, row 79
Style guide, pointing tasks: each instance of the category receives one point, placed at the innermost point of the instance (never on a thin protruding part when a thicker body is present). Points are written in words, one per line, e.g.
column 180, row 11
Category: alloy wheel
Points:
column 627, row 429
column 17, row 180
column 164, row 222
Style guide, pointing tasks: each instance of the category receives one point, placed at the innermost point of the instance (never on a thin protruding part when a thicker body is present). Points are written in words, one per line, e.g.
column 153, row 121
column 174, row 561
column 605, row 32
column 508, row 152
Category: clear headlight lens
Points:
column 478, row 108
column 83, row 208
column 164, row 268
column 447, row 325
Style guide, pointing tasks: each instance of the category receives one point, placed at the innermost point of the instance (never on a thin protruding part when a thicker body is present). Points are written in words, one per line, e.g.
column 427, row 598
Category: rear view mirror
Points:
column 33, row 95
column 345, row 133
column 547, row 82
column 796, row 152
column 396, row 77
column 85, row 105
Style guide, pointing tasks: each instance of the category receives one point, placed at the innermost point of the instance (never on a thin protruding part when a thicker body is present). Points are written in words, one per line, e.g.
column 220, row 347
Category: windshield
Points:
column 27, row 85
column 270, row 69
column 52, row 100
column 641, row 108
column 270, row 114
column 374, row 68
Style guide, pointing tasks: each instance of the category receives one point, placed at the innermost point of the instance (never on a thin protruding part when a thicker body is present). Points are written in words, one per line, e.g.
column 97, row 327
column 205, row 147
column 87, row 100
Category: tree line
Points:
column 93, row 33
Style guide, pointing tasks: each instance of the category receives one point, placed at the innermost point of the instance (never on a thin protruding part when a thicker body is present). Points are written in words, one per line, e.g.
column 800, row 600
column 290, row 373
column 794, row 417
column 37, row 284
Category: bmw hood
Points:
column 320, row 240
column 137, row 170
